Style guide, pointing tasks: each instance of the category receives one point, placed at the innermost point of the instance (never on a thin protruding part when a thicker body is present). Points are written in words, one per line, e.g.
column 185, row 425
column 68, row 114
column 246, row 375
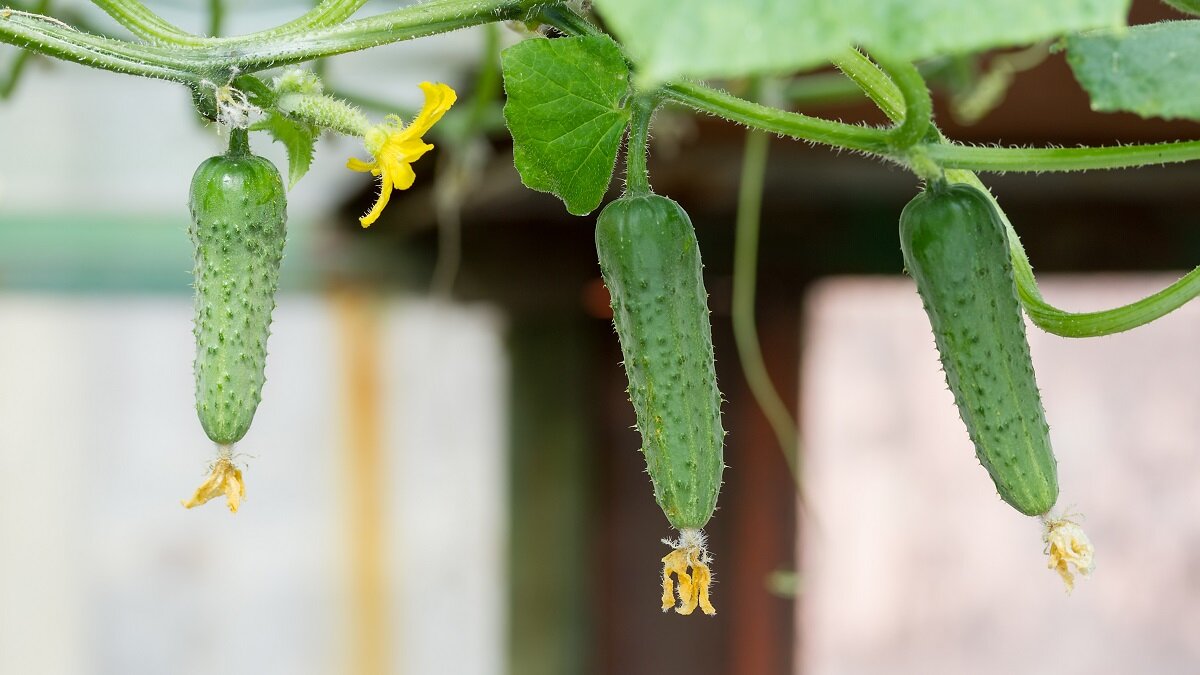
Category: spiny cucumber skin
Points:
column 650, row 261
column 239, row 214
column 956, row 249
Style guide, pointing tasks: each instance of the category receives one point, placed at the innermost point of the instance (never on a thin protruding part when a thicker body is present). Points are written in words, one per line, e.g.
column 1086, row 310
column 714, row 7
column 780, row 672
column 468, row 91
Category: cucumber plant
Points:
column 650, row 262
column 571, row 99
column 956, row 249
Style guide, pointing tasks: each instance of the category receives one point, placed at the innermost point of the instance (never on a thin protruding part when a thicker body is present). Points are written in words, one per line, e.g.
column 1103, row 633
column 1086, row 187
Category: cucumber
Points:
column 956, row 249
column 239, row 214
column 650, row 262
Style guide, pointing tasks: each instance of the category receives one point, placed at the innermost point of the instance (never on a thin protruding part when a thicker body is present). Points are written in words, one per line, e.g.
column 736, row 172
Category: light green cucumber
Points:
column 651, row 264
column 238, row 228
column 956, row 249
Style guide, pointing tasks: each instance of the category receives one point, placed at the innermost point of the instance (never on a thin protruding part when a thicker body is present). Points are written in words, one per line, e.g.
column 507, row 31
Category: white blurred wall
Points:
column 103, row 571
column 914, row 566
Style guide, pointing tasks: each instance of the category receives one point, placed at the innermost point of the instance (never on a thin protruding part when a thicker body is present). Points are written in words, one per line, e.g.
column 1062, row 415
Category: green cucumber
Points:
column 239, row 214
column 956, row 249
column 651, row 264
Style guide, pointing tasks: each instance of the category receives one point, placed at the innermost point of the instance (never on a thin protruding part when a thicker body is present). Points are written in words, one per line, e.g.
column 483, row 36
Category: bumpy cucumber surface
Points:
column 651, row 264
column 239, row 213
column 956, row 249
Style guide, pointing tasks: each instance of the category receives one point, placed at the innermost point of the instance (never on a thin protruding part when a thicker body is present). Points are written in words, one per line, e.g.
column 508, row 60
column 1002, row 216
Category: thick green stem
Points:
column 953, row 156
column 918, row 107
column 745, row 329
column 1046, row 316
column 796, row 125
column 239, row 142
column 325, row 14
column 637, row 173
column 873, row 82
column 1082, row 324
column 217, row 61
column 403, row 24
column 145, row 24
column 48, row 36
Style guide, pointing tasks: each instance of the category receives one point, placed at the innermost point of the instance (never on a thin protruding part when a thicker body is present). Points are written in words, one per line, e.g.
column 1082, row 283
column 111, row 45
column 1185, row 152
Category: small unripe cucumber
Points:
column 239, row 213
column 651, row 264
column 956, row 249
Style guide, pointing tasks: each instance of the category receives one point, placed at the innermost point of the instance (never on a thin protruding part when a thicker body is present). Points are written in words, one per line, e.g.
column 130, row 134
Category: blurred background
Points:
column 443, row 476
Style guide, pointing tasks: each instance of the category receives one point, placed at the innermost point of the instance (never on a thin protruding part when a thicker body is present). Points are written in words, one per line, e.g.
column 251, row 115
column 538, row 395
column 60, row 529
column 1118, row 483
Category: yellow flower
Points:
column 395, row 146
column 690, row 552
column 1067, row 546
column 225, row 479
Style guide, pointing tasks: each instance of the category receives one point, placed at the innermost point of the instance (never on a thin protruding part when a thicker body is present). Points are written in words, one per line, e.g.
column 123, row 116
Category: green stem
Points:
column 403, row 24
column 488, row 82
column 216, row 61
column 1082, row 324
column 873, row 82
column 145, row 24
column 567, row 21
column 216, row 17
column 918, row 106
column 637, row 173
column 325, row 14
column 745, row 269
column 762, row 117
column 9, row 83
column 44, row 35
column 1046, row 316
column 954, row 156
column 239, row 142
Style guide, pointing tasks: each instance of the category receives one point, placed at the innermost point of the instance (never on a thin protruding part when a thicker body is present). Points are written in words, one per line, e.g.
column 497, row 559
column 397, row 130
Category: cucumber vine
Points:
column 570, row 102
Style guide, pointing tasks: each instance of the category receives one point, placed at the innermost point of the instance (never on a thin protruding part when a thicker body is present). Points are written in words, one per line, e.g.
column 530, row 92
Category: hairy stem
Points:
column 637, row 174
column 796, row 125
column 145, row 24
column 918, row 107
column 45, row 35
column 954, row 156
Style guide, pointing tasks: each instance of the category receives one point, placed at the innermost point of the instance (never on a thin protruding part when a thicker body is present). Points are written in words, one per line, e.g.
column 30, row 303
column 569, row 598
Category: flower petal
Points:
column 400, row 173
column 409, row 150
column 438, row 99
column 385, row 193
column 356, row 164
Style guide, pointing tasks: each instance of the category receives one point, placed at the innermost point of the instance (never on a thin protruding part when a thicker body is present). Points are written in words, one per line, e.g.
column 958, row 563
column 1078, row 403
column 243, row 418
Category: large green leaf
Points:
column 1150, row 70
column 565, row 112
column 668, row 39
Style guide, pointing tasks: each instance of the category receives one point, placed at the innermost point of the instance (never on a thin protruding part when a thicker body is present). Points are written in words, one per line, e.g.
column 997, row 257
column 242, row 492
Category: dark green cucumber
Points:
column 651, row 264
column 239, row 213
column 956, row 249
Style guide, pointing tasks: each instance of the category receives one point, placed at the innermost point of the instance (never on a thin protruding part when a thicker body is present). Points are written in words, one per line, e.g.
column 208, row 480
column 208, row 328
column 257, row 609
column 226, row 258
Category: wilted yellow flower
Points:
column 225, row 479
column 690, row 553
column 1067, row 546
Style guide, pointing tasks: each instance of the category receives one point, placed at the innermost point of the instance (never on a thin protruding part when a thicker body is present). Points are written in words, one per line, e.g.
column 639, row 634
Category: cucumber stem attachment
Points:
column 637, row 173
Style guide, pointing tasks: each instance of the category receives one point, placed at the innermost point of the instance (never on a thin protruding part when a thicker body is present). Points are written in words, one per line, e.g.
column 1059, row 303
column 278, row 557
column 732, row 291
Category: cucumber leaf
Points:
column 670, row 39
column 297, row 137
column 1149, row 70
column 566, row 115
